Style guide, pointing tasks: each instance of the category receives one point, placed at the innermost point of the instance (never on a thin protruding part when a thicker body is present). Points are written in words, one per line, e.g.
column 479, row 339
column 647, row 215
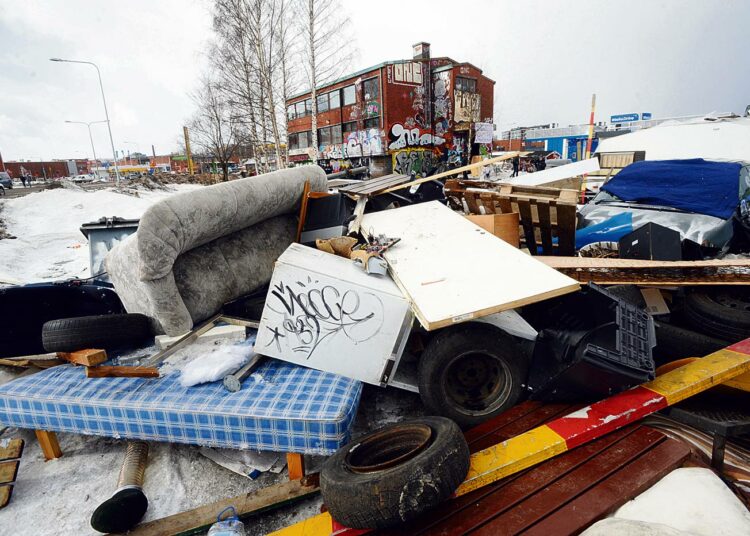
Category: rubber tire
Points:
column 101, row 331
column 469, row 337
column 397, row 494
column 675, row 342
column 708, row 316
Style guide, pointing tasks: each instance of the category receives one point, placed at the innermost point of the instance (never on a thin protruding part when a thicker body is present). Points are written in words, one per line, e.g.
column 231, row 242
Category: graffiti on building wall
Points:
column 467, row 106
column 360, row 143
column 442, row 88
column 421, row 162
column 402, row 137
column 372, row 109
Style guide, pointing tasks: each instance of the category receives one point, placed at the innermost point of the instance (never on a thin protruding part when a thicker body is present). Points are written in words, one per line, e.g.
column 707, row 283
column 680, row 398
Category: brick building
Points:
column 52, row 169
column 399, row 116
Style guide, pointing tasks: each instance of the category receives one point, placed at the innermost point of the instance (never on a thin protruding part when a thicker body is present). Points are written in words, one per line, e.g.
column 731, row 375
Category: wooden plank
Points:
column 375, row 186
column 42, row 363
column 488, row 202
column 536, row 506
column 48, row 442
column 465, row 513
column 557, row 173
column 443, row 265
column 545, row 225
column 303, row 210
column 603, row 499
column 122, row 372
column 5, row 493
column 88, row 358
column 199, row 519
column 527, row 223
column 566, row 229
column 295, row 463
column 471, row 202
column 11, row 448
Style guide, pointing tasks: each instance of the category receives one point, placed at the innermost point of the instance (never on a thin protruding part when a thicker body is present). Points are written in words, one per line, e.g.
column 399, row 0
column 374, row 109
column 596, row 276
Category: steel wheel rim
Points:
column 477, row 382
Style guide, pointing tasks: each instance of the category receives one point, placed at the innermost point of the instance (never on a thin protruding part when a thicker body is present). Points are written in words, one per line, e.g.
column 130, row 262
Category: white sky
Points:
column 668, row 57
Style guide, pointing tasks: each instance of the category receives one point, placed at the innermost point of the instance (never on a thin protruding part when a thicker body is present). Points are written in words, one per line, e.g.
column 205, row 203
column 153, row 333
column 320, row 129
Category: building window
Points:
column 300, row 109
column 324, row 136
column 308, row 106
column 336, row 134
column 323, row 103
column 290, row 114
column 371, row 89
column 373, row 122
column 349, row 97
column 468, row 85
column 334, row 99
column 304, row 139
column 293, row 141
column 348, row 128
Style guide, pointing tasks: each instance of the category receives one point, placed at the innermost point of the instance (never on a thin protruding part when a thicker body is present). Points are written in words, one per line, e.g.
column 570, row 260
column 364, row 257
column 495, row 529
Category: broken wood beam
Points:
column 607, row 271
column 199, row 519
column 88, row 357
column 122, row 372
column 295, row 463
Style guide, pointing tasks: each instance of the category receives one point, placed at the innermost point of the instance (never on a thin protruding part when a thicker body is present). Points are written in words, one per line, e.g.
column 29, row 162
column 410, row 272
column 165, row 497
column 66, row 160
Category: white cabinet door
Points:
column 325, row 313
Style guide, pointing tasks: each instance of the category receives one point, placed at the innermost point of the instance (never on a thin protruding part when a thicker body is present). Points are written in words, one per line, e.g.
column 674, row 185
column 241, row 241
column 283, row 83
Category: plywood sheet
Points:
column 557, row 173
column 452, row 270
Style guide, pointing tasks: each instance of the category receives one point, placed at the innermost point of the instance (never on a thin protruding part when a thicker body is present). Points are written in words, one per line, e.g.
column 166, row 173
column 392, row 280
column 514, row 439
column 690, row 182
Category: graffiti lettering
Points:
column 403, row 137
column 360, row 143
column 311, row 314
column 421, row 162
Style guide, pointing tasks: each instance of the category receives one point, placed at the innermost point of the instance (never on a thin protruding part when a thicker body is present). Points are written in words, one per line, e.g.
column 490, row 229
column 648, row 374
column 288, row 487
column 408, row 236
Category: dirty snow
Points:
column 214, row 365
column 49, row 244
column 690, row 499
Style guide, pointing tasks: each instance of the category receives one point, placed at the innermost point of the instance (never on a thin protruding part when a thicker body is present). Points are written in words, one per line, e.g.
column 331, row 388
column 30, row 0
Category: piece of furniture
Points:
column 196, row 250
column 281, row 407
column 325, row 312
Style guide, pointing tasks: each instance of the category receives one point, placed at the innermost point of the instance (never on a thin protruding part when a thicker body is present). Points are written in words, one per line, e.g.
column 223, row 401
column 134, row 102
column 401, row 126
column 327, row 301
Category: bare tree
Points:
column 214, row 128
column 327, row 53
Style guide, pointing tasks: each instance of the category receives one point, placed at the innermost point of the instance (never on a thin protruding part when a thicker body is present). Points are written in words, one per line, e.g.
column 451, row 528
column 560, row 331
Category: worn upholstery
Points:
column 197, row 250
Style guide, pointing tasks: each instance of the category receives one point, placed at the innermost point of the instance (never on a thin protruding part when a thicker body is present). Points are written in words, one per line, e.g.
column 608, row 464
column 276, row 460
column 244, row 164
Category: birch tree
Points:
column 327, row 53
column 214, row 128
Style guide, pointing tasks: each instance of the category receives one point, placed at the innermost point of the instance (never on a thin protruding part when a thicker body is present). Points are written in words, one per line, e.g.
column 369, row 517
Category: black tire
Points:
column 385, row 478
column 102, row 331
column 470, row 373
column 722, row 312
column 675, row 342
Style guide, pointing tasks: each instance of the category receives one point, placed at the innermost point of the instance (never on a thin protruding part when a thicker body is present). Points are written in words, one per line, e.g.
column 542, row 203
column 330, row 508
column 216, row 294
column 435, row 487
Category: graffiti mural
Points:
column 360, row 143
column 402, row 137
column 421, row 162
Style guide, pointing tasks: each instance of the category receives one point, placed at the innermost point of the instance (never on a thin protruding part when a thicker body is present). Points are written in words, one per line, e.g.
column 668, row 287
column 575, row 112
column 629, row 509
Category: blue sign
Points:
column 646, row 116
column 624, row 118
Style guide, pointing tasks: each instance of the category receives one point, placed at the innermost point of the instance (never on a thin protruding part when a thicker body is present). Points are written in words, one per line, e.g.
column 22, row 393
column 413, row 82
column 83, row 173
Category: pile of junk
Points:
column 530, row 325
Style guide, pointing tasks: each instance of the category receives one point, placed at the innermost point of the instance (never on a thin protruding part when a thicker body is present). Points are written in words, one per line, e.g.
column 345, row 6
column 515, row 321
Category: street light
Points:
column 106, row 113
column 91, row 138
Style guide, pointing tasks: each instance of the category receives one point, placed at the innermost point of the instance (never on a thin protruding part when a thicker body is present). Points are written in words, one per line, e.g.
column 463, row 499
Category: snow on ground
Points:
column 49, row 244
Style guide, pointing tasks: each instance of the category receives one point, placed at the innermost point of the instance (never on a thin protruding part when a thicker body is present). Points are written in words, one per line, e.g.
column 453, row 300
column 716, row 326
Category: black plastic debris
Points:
column 591, row 345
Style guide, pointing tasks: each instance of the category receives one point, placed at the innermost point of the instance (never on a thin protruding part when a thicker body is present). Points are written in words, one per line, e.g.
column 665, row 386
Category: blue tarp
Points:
column 694, row 185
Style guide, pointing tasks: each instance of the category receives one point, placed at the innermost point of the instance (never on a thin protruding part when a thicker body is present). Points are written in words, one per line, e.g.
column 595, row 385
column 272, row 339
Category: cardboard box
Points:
column 504, row 226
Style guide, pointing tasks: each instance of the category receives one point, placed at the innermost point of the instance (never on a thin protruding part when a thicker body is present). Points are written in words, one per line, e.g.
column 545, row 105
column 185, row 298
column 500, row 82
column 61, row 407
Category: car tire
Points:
column 394, row 474
column 722, row 312
column 101, row 331
column 470, row 373
column 675, row 342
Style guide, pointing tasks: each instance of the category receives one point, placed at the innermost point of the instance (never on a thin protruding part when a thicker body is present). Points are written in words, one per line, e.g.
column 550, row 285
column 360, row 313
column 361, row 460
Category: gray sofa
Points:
column 197, row 250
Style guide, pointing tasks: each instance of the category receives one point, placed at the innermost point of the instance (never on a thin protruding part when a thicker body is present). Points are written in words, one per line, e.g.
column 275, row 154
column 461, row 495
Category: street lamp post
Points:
column 106, row 113
column 91, row 138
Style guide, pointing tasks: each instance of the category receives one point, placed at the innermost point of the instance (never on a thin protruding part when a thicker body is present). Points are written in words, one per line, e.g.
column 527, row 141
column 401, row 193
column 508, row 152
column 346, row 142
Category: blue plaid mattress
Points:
column 282, row 407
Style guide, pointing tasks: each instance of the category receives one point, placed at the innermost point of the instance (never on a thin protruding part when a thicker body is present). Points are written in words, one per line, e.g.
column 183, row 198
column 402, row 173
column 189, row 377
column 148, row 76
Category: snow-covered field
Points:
column 49, row 244
column 58, row 497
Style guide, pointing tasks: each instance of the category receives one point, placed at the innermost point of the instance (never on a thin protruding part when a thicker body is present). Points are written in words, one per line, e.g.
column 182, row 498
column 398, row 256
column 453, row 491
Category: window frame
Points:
column 375, row 80
column 323, row 97
column 353, row 95
column 370, row 119
column 337, row 93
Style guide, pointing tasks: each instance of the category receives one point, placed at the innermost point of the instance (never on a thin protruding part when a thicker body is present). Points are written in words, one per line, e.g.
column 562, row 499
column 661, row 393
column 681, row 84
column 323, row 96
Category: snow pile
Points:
column 213, row 366
column 693, row 500
column 49, row 244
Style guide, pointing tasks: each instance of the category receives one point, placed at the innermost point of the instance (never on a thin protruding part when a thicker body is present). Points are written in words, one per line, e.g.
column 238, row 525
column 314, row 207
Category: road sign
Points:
column 624, row 118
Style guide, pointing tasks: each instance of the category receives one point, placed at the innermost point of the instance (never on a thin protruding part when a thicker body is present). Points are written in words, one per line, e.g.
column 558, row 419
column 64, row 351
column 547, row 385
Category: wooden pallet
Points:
column 373, row 187
column 10, row 459
column 548, row 215
column 561, row 496
column 610, row 164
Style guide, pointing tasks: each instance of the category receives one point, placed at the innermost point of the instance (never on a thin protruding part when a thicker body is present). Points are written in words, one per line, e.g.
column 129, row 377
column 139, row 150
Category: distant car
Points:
column 82, row 178
column 5, row 180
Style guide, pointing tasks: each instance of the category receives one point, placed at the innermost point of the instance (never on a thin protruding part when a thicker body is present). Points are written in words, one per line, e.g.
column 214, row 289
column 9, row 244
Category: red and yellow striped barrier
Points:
column 589, row 423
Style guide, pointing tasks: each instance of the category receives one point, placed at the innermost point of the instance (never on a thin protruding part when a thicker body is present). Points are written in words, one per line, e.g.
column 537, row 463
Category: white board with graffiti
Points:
column 326, row 313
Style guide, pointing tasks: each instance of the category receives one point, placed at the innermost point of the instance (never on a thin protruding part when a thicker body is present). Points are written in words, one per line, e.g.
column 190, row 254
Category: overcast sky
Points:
column 668, row 57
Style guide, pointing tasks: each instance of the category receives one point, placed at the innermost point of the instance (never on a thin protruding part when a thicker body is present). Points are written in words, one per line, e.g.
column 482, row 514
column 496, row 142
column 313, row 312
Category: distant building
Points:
column 399, row 116
column 52, row 169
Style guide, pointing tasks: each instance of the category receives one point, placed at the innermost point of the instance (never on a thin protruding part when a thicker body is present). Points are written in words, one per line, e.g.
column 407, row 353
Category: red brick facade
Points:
column 402, row 116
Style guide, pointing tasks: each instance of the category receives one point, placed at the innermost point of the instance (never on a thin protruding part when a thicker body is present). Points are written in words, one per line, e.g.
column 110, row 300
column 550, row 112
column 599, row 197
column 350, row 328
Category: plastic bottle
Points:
column 230, row 526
